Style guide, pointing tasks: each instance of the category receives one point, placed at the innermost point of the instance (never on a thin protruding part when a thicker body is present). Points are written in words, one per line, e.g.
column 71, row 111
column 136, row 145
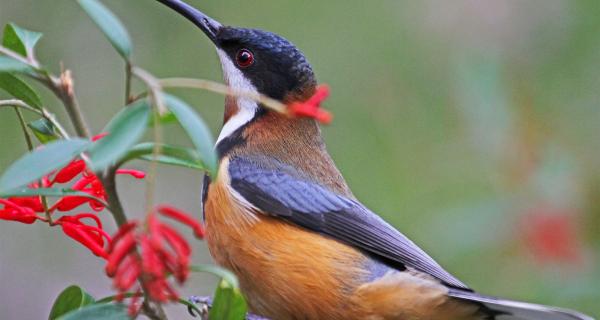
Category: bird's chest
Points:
column 285, row 272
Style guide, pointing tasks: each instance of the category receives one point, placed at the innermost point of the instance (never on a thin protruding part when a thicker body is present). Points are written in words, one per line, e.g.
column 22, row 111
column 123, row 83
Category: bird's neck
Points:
column 292, row 141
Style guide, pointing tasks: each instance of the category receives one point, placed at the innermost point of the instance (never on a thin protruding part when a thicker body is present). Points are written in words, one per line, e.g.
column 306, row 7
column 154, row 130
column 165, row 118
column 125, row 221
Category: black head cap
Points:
column 272, row 64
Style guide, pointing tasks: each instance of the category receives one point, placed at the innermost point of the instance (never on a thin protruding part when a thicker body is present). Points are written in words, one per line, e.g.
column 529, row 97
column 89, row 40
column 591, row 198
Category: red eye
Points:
column 244, row 58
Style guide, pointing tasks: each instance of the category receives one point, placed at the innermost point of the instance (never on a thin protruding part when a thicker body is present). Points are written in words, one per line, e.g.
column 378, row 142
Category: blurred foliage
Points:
column 453, row 120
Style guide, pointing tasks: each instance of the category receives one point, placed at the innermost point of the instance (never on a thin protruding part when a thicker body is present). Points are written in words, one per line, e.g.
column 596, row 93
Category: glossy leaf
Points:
column 124, row 130
column 72, row 298
column 47, row 192
column 196, row 129
column 19, row 40
column 19, row 89
column 40, row 162
column 217, row 271
column 8, row 64
column 100, row 311
column 169, row 154
column 109, row 24
column 228, row 303
column 43, row 130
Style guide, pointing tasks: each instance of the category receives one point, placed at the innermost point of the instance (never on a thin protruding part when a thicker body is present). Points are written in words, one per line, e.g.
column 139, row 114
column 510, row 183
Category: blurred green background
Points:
column 472, row 126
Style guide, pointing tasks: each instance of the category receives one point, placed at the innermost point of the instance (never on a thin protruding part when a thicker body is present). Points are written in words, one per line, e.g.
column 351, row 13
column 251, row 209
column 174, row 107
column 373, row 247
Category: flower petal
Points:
column 119, row 253
column 69, row 172
column 132, row 172
column 174, row 213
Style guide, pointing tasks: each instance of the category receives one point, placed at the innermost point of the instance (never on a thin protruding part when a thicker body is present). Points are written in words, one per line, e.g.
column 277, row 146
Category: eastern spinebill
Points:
column 281, row 217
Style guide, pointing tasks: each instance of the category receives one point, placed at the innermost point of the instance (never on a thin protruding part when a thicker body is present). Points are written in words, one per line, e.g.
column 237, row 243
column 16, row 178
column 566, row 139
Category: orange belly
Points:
column 286, row 272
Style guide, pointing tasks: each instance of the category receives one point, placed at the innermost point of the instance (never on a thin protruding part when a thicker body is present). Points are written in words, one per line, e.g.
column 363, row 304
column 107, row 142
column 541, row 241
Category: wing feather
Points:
column 281, row 191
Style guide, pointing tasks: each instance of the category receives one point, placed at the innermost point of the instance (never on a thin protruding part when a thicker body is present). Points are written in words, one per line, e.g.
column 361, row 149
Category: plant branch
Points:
column 63, row 89
column 50, row 117
column 24, row 128
column 223, row 89
column 155, row 88
column 30, row 148
column 42, row 112
column 128, row 98
column 110, row 187
column 20, row 104
column 153, row 168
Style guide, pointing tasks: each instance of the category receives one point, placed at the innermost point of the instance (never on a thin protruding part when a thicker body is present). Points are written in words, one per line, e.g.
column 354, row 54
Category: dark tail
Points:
column 502, row 309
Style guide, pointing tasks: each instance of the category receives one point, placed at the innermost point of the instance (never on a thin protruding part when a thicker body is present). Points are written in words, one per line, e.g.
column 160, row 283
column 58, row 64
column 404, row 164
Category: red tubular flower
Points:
column 311, row 108
column 91, row 237
column 125, row 230
column 25, row 209
column 89, row 183
column 151, row 255
column 134, row 173
column 16, row 212
column 70, row 202
column 126, row 245
column 131, row 271
column 185, row 218
column 34, row 203
column 182, row 252
column 69, row 172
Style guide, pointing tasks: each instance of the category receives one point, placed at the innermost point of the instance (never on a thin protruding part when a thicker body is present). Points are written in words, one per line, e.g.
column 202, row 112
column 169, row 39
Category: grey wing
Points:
column 279, row 190
column 205, row 184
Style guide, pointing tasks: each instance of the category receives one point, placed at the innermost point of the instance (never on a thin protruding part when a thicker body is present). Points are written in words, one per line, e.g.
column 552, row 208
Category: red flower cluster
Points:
column 552, row 235
column 29, row 209
column 311, row 108
column 151, row 254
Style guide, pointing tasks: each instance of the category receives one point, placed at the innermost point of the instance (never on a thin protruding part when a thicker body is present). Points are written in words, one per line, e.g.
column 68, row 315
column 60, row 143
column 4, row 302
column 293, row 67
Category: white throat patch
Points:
column 247, row 107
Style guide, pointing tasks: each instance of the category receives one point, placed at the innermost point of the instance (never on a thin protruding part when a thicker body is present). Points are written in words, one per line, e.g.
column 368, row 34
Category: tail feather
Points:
column 502, row 309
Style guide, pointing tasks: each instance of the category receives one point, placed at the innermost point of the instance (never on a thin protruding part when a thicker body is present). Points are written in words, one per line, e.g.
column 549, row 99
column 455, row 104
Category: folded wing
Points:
column 280, row 190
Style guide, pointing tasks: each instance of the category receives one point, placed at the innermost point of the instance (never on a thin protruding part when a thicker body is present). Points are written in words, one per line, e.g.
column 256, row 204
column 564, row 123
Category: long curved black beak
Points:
column 207, row 24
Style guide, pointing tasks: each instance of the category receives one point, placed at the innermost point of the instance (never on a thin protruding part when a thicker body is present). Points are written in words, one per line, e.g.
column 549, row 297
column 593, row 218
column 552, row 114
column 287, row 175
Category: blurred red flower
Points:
column 151, row 254
column 552, row 235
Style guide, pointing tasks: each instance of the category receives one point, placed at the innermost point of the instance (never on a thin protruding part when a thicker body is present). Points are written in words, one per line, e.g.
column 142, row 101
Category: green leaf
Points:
column 101, row 311
column 20, row 90
column 44, row 130
column 72, row 298
column 166, row 118
column 124, row 130
column 47, row 192
column 217, row 271
column 8, row 64
column 228, row 303
column 109, row 24
column 20, row 40
column 196, row 129
column 169, row 154
column 40, row 162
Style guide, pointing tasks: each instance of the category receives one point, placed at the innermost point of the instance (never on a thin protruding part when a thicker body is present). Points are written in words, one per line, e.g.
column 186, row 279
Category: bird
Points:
column 280, row 215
